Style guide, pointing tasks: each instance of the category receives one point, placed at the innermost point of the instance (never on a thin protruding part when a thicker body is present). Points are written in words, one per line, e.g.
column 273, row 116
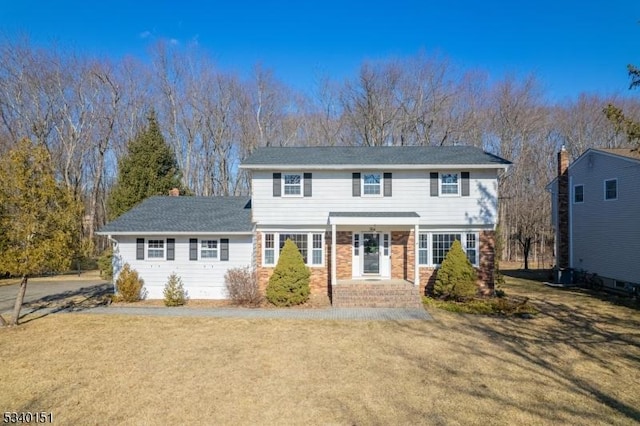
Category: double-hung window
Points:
column 209, row 249
column 317, row 249
column 371, row 183
column 472, row 248
column 155, row 249
column 423, row 249
column 611, row 189
column 449, row 184
column 269, row 249
column 292, row 184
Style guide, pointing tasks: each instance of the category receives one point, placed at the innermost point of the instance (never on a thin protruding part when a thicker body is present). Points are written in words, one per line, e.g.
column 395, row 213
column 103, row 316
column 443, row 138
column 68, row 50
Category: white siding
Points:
column 203, row 279
column 332, row 191
column 606, row 234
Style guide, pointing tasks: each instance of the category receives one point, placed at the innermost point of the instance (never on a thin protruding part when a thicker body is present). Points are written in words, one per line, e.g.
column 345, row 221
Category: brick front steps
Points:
column 379, row 294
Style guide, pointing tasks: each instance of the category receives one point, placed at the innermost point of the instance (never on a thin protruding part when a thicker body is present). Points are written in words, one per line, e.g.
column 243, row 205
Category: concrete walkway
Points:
column 339, row 314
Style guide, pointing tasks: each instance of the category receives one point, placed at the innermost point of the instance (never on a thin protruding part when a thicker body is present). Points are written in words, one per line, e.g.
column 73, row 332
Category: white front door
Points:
column 372, row 254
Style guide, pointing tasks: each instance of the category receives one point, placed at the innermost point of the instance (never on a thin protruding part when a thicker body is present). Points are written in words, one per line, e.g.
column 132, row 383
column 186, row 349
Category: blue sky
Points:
column 572, row 46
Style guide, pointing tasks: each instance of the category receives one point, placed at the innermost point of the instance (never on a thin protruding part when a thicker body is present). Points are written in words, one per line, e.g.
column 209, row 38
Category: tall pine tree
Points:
column 149, row 168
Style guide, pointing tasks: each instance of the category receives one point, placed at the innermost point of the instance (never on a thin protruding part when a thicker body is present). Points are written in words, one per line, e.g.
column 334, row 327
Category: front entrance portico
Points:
column 374, row 245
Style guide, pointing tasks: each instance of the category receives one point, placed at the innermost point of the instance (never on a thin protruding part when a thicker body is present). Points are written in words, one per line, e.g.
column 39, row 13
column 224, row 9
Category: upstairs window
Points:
column 371, row 184
column 292, row 184
column 611, row 189
column 449, row 184
column 578, row 194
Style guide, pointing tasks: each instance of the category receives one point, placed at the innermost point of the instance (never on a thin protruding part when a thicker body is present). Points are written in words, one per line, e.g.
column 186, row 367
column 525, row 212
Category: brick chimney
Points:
column 175, row 192
column 562, row 256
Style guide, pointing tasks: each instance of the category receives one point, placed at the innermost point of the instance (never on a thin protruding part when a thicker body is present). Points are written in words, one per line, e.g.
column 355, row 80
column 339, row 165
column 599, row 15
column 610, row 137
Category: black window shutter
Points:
column 193, row 249
column 434, row 184
column 356, row 184
column 307, row 184
column 276, row 184
column 224, row 249
column 171, row 249
column 140, row 249
column 464, row 190
column 387, row 184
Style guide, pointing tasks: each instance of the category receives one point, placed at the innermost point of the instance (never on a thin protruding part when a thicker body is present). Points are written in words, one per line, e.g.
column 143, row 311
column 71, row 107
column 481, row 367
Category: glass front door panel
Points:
column 371, row 249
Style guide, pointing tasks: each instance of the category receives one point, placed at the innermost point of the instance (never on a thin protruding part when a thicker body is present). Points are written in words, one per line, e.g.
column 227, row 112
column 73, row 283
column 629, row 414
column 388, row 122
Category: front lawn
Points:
column 577, row 362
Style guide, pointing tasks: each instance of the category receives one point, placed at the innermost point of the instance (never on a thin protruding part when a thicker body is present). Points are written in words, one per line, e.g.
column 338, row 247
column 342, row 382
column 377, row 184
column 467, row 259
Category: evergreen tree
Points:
column 39, row 218
column 149, row 168
column 456, row 278
column 289, row 283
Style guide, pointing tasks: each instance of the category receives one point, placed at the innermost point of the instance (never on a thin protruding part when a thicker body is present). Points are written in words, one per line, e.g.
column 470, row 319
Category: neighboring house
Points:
column 393, row 213
column 596, row 215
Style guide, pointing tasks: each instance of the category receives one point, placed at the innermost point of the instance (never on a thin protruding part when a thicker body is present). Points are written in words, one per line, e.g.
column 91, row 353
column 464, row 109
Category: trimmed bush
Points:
column 456, row 278
column 242, row 286
column 129, row 285
column 105, row 264
column 174, row 293
column 289, row 283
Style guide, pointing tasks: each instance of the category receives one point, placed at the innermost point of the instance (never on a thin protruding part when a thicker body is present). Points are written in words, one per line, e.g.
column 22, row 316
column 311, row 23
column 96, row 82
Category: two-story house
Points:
column 355, row 213
column 595, row 213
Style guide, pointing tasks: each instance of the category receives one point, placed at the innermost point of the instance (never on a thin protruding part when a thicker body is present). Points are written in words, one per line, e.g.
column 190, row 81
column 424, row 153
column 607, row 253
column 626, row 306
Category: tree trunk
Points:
column 526, row 249
column 19, row 299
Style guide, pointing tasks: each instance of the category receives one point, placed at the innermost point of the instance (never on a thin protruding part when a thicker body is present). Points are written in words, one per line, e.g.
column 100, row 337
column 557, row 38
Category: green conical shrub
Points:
column 456, row 278
column 289, row 283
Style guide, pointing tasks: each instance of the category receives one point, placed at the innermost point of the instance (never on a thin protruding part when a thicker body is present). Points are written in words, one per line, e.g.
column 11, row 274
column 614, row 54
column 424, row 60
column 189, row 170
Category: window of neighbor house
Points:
column 292, row 184
column 155, row 249
column 611, row 189
column 578, row 194
column 449, row 184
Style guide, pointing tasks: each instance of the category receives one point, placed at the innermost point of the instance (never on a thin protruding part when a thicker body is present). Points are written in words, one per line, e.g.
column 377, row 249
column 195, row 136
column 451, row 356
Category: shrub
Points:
column 289, row 283
column 174, row 293
column 129, row 285
column 242, row 286
column 105, row 264
column 456, row 278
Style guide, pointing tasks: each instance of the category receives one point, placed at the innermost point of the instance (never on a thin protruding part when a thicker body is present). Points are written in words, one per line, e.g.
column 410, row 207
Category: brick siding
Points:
column 402, row 255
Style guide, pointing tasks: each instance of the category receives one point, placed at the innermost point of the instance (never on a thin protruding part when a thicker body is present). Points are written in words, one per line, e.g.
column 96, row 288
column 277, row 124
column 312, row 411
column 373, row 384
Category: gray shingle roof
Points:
column 164, row 214
column 373, row 214
column 386, row 155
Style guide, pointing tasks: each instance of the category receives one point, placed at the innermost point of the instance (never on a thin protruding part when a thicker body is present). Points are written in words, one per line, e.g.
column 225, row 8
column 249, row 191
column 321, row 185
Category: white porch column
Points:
column 333, row 254
column 416, row 245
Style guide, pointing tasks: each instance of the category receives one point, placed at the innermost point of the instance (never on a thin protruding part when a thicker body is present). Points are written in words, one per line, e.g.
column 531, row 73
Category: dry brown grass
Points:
column 576, row 363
